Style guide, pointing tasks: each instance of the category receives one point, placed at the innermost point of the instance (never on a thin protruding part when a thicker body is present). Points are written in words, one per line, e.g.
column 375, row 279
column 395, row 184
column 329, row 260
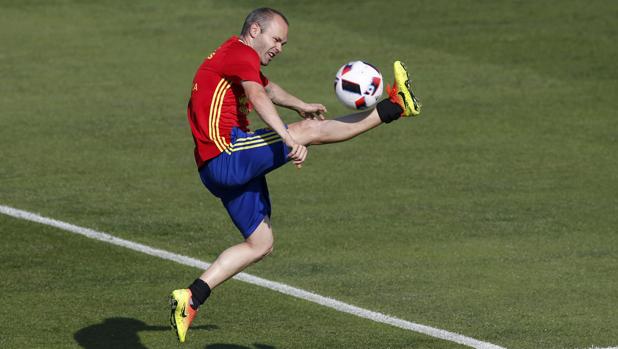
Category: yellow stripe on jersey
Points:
column 215, row 114
column 226, row 86
column 213, row 110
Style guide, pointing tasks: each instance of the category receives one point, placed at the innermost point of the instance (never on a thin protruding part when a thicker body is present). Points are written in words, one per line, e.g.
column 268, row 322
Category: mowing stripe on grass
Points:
column 275, row 286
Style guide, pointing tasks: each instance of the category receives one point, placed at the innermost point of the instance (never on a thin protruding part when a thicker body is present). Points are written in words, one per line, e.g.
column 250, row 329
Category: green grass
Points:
column 493, row 215
column 76, row 293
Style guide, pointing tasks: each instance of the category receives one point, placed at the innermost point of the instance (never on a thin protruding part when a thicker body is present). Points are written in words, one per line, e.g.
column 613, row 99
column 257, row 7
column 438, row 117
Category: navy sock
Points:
column 199, row 293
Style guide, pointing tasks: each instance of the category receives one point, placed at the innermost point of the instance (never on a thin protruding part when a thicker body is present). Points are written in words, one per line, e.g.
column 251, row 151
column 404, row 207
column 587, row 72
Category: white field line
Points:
column 275, row 286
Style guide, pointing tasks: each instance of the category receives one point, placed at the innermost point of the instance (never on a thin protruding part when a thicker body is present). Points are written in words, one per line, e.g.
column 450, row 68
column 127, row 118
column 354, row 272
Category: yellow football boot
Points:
column 401, row 93
column 182, row 313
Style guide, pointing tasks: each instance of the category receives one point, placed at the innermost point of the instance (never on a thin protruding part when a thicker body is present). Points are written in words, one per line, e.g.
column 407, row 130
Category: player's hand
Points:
column 312, row 111
column 298, row 152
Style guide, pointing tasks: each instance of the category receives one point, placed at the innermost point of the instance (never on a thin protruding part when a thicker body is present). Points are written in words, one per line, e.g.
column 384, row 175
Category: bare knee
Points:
column 268, row 251
column 307, row 131
column 261, row 241
column 260, row 251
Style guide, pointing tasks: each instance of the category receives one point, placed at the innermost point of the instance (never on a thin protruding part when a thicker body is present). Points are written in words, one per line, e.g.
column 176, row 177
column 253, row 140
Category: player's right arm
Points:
column 283, row 98
column 265, row 108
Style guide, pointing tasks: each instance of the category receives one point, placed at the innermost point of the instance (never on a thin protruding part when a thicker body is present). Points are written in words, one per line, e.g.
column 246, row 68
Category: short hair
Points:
column 261, row 16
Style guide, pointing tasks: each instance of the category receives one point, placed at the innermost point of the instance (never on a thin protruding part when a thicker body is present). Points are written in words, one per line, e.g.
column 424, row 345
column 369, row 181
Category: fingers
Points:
column 314, row 111
column 298, row 154
column 320, row 115
column 316, row 115
column 320, row 112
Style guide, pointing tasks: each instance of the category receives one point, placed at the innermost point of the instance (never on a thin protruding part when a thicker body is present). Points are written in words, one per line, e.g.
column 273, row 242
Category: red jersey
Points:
column 218, row 102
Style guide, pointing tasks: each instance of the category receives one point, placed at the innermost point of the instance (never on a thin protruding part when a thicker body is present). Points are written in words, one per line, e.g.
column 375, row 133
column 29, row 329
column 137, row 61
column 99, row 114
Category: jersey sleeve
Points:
column 264, row 79
column 243, row 64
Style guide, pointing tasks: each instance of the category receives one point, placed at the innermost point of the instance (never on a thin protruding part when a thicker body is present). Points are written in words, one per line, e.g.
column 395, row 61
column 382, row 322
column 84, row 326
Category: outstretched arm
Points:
column 282, row 98
column 267, row 111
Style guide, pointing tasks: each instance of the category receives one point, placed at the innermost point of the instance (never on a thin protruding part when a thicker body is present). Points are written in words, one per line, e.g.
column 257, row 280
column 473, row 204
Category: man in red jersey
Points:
column 233, row 161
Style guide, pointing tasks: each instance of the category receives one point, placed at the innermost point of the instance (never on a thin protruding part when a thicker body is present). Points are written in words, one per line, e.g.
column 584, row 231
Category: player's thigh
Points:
column 250, row 156
column 248, row 205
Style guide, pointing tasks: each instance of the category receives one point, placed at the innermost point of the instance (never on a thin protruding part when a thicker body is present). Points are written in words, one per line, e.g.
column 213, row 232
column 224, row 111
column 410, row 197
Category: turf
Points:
column 492, row 215
column 75, row 292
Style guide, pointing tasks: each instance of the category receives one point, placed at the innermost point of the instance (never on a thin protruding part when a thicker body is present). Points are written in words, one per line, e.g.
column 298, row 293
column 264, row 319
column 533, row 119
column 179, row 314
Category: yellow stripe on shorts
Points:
column 261, row 144
column 255, row 141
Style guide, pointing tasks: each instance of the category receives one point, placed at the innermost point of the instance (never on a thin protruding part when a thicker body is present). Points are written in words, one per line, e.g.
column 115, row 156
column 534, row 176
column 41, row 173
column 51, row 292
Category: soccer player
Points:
column 233, row 161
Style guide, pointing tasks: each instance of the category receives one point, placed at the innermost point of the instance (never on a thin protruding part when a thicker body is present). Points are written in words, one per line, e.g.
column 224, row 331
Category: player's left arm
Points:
column 282, row 98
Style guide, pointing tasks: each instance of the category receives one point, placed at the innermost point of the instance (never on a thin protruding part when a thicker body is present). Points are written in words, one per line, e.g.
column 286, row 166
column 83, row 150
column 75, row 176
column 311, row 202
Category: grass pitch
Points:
column 492, row 215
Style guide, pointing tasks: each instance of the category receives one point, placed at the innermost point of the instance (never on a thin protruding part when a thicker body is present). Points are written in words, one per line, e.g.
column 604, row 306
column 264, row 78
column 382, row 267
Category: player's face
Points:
column 269, row 42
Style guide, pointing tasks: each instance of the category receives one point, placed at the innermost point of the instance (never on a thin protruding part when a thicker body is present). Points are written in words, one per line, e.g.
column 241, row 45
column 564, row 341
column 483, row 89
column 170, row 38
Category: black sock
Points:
column 389, row 111
column 199, row 292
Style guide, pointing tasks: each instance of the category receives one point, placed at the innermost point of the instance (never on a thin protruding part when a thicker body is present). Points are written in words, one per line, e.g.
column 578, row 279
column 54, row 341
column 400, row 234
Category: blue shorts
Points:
column 237, row 176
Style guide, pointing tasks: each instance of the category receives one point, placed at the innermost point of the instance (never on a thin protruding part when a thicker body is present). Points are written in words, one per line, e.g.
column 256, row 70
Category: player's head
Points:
column 266, row 31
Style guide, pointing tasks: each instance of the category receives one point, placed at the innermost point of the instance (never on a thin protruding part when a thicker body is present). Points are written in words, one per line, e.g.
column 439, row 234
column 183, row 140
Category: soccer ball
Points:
column 358, row 85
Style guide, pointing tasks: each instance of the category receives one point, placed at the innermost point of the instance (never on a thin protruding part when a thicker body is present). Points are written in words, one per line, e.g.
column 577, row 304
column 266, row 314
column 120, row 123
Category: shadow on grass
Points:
column 121, row 332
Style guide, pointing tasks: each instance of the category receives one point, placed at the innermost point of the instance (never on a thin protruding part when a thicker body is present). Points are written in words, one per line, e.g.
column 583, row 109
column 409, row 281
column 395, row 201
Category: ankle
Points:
column 389, row 111
column 200, row 291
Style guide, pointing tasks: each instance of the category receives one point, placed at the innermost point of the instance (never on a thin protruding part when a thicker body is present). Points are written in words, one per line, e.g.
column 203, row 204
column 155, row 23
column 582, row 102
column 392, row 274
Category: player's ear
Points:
column 255, row 29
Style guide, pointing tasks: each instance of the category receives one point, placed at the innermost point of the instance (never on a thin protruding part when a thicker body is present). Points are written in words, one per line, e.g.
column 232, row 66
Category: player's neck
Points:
column 243, row 40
